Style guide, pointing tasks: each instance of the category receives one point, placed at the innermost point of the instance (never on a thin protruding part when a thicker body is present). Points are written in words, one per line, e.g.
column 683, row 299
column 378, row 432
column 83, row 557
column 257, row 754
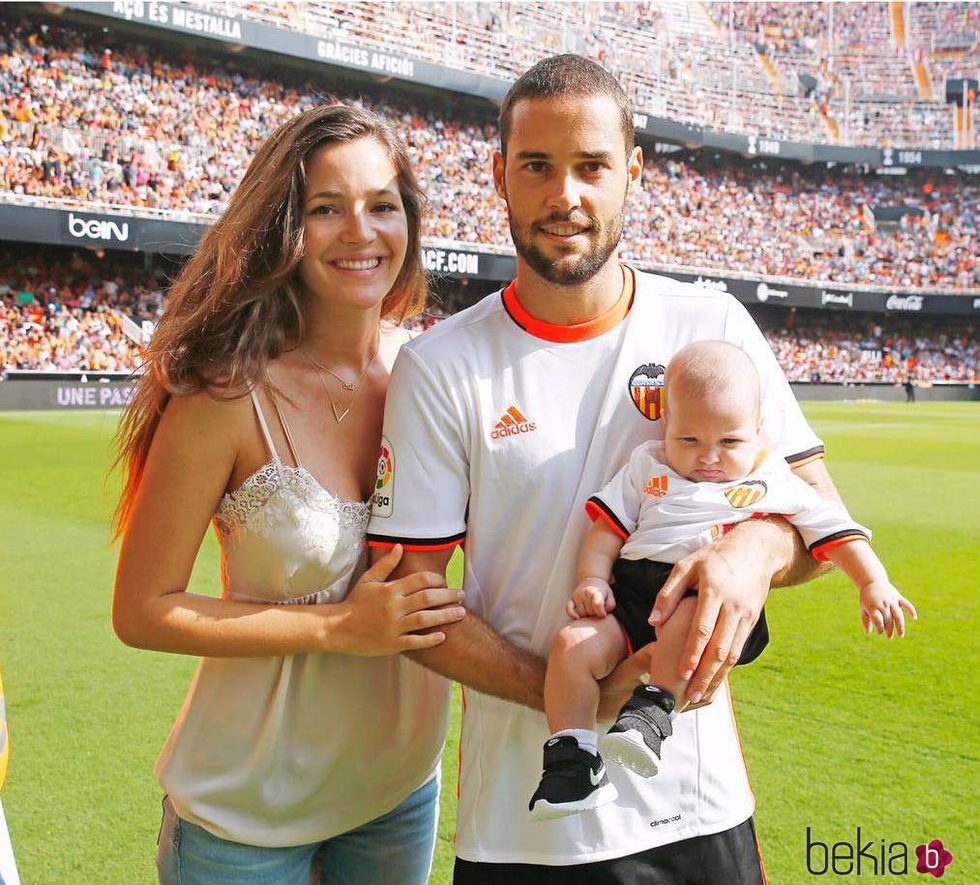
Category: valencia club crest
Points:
column 746, row 494
column 647, row 390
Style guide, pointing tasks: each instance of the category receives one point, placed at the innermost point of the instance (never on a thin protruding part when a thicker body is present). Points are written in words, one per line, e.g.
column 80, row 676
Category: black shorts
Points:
column 728, row 858
column 636, row 583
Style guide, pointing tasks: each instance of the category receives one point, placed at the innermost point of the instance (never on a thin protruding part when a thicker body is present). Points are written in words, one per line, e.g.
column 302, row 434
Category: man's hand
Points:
column 732, row 578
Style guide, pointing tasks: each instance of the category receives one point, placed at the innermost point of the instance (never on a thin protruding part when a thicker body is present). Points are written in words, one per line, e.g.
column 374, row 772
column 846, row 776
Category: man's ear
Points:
column 634, row 169
column 498, row 175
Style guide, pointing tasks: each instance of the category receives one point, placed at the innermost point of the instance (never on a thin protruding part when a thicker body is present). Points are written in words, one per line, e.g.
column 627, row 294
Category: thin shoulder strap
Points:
column 265, row 431
column 285, row 428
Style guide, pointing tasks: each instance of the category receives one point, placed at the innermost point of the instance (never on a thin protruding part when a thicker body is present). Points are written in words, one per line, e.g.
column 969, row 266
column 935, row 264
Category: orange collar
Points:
column 577, row 332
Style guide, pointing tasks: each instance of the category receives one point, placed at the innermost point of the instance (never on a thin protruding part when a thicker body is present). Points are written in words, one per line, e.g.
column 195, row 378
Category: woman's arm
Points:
column 187, row 471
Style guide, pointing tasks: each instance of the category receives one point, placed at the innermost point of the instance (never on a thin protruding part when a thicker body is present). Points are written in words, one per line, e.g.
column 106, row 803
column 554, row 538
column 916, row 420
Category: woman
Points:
column 305, row 740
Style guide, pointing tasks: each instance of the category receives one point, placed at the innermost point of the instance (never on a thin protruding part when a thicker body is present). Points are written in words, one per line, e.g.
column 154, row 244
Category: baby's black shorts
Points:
column 636, row 583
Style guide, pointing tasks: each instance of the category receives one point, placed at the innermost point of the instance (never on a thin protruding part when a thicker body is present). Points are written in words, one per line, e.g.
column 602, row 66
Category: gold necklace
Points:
column 348, row 385
column 339, row 416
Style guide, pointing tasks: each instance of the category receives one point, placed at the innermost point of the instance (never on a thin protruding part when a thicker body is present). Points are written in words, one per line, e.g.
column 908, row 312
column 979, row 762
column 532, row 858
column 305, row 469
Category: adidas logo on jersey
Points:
column 512, row 423
column 657, row 486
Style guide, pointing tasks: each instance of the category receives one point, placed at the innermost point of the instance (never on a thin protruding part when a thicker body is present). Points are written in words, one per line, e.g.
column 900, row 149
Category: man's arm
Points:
column 733, row 577
column 478, row 657
column 473, row 653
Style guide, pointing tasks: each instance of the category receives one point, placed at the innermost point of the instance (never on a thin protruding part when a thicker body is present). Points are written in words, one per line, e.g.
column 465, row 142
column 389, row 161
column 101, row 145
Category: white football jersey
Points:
column 498, row 427
column 663, row 517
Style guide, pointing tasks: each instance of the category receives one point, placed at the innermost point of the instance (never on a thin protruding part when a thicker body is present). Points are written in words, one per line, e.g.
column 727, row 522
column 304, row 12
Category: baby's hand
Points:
column 592, row 598
column 881, row 609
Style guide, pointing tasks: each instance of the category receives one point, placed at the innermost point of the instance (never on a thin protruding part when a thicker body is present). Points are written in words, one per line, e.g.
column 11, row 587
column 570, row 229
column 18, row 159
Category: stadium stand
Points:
column 103, row 122
column 792, row 221
column 817, row 347
column 68, row 315
column 949, row 35
column 178, row 130
column 678, row 59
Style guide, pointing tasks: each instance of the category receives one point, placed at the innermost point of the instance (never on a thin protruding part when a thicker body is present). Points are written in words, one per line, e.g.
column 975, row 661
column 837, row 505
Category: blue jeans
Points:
column 395, row 849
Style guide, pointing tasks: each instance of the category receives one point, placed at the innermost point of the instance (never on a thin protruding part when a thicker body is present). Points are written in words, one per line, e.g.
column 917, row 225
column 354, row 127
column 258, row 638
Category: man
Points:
column 499, row 425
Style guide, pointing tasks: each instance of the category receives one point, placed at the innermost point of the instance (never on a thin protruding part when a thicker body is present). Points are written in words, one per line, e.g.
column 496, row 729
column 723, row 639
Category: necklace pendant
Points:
column 339, row 416
column 347, row 385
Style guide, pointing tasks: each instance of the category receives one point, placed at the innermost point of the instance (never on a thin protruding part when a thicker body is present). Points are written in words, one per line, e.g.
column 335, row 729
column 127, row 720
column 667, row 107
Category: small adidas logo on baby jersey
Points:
column 512, row 423
column 657, row 486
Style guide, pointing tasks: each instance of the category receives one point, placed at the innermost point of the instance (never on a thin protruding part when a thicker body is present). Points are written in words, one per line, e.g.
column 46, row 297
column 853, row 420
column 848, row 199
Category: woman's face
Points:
column 355, row 225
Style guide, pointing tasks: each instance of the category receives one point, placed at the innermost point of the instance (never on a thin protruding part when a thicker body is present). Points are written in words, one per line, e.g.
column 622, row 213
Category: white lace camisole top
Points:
column 292, row 750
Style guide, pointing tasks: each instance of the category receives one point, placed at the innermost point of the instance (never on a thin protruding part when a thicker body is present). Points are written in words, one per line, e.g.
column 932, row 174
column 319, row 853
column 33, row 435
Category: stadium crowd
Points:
column 795, row 221
column 817, row 347
column 69, row 316
column 176, row 134
column 159, row 129
column 677, row 59
column 62, row 311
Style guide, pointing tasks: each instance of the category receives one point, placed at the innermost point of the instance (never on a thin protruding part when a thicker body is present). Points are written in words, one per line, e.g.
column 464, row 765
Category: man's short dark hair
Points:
column 563, row 75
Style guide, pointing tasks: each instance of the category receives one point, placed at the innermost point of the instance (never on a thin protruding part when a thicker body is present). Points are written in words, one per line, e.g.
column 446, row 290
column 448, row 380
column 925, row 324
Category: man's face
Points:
column 565, row 180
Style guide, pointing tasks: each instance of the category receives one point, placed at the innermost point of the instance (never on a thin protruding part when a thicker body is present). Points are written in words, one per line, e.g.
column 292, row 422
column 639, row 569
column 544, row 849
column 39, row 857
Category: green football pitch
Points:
column 839, row 730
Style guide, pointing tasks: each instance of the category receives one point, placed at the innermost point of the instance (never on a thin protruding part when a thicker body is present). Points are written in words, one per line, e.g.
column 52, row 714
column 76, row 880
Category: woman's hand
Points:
column 382, row 617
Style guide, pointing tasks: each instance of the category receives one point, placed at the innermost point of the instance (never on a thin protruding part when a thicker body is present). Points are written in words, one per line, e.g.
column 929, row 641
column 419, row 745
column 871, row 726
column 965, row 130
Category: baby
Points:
column 710, row 472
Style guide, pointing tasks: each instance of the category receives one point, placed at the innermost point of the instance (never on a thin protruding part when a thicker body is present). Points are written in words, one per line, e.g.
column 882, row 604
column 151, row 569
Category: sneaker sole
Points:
column 546, row 811
column 628, row 749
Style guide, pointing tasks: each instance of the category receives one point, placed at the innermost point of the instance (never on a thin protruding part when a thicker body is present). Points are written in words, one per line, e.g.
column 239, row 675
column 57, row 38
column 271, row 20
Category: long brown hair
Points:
column 237, row 303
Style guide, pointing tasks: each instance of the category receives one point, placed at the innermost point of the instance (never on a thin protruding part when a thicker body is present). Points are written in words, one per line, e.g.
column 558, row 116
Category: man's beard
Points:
column 571, row 270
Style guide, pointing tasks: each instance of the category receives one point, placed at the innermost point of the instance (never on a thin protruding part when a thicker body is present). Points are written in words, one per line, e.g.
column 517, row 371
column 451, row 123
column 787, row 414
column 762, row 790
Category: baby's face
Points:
column 711, row 439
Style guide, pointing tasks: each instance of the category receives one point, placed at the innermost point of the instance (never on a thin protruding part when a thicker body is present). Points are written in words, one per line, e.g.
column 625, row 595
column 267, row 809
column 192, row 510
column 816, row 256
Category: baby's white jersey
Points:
column 498, row 427
column 663, row 517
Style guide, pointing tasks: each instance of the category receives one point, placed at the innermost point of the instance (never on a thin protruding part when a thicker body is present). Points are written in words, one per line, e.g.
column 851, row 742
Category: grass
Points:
column 839, row 730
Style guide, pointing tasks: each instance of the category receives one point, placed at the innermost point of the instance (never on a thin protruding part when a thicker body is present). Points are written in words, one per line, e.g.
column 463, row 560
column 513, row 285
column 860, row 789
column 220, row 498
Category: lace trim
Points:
column 237, row 508
column 317, row 597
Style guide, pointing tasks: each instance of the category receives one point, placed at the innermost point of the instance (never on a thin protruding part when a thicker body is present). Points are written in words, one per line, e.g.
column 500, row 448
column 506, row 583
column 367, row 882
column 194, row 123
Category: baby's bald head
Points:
column 715, row 374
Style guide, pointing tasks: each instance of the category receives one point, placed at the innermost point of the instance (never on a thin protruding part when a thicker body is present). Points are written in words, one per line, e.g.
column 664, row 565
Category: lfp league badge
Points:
column 647, row 390
column 384, row 487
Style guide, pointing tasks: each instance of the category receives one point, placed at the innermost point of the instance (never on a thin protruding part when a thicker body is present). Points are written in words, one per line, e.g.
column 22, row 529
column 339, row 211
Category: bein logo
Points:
column 96, row 229
column 869, row 857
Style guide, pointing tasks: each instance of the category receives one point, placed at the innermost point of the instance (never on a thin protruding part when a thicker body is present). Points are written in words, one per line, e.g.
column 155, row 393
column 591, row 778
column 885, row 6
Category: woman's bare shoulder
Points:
column 222, row 417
